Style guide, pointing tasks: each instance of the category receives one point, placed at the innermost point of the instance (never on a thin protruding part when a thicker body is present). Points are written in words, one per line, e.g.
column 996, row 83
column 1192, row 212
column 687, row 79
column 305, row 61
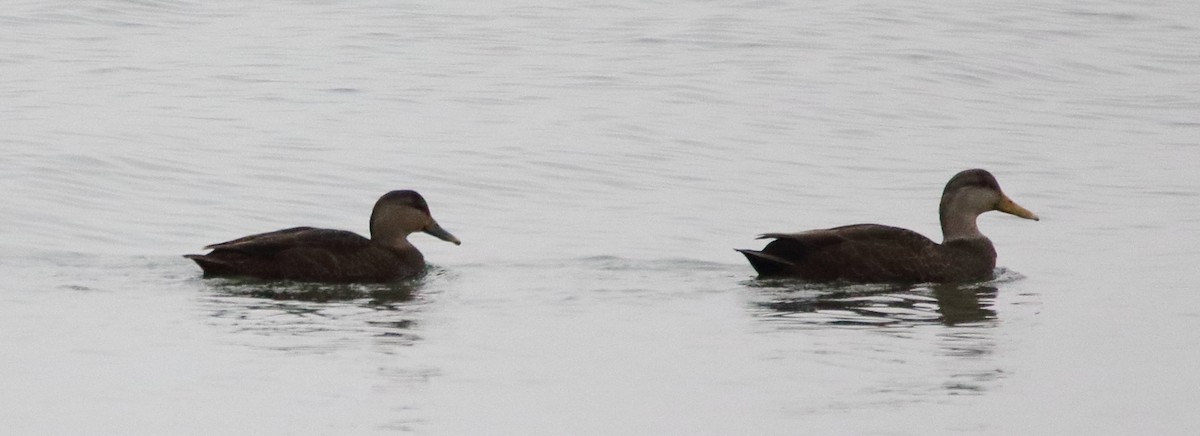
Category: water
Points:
column 599, row 162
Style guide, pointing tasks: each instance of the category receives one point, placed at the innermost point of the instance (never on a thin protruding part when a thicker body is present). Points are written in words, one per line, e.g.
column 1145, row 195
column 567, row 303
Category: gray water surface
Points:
column 600, row 163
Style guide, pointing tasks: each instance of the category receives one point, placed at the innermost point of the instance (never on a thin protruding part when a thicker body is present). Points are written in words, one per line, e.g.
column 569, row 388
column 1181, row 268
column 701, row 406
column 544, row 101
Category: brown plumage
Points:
column 878, row 253
column 333, row 256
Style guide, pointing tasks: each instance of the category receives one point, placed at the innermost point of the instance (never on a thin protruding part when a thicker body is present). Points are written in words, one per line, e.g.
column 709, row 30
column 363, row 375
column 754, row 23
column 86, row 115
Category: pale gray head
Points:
column 400, row 213
column 969, row 194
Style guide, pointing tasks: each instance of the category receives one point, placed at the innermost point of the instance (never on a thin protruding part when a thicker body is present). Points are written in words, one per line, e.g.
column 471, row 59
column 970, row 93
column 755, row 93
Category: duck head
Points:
column 969, row 194
column 400, row 213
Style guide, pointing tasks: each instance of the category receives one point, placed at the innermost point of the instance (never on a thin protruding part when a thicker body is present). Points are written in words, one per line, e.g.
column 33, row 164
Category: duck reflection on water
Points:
column 871, row 305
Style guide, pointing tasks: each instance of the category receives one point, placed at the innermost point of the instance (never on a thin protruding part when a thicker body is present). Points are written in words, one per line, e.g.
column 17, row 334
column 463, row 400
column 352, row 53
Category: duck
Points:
column 311, row 254
column 874, row 253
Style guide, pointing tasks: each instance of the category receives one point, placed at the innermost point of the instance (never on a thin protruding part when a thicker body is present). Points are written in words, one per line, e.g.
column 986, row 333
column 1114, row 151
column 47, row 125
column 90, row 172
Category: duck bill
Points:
column 438, row 232
column 1006, row 205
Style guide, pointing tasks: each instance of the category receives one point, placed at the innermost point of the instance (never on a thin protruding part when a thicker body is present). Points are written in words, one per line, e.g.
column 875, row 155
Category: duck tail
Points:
column 210, row 265
column 766, row 264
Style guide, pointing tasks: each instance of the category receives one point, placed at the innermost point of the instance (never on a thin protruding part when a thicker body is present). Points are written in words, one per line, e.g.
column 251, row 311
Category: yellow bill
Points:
column 1006, row 205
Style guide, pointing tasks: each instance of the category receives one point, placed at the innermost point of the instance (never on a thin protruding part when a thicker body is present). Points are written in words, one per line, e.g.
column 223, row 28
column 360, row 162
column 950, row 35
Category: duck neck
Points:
column 390, row 236
column 397, row 242
column 958, row 224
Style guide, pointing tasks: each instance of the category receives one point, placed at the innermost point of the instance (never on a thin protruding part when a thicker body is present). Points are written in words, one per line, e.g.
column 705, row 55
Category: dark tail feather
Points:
column 211, row 266
column 766, row 264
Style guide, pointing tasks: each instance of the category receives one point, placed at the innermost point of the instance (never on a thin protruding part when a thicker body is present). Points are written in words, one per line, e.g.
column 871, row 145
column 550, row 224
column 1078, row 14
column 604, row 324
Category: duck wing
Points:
column 861, row 252
column 296, row 237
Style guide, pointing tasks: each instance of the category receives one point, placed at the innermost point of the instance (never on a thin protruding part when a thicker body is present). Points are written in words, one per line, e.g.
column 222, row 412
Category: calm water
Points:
column 600, row 163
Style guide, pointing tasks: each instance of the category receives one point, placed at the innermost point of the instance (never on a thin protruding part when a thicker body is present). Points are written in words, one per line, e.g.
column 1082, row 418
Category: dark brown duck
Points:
column 878, row 253
column 333, row 256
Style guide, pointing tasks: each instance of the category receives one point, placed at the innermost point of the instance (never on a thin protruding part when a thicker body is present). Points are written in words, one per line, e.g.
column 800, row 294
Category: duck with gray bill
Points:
column 333, row 256
column 873, row 253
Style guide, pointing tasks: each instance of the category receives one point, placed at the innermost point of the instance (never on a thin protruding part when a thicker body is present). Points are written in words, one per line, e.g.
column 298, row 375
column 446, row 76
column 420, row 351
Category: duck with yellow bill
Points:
column 874, row 253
